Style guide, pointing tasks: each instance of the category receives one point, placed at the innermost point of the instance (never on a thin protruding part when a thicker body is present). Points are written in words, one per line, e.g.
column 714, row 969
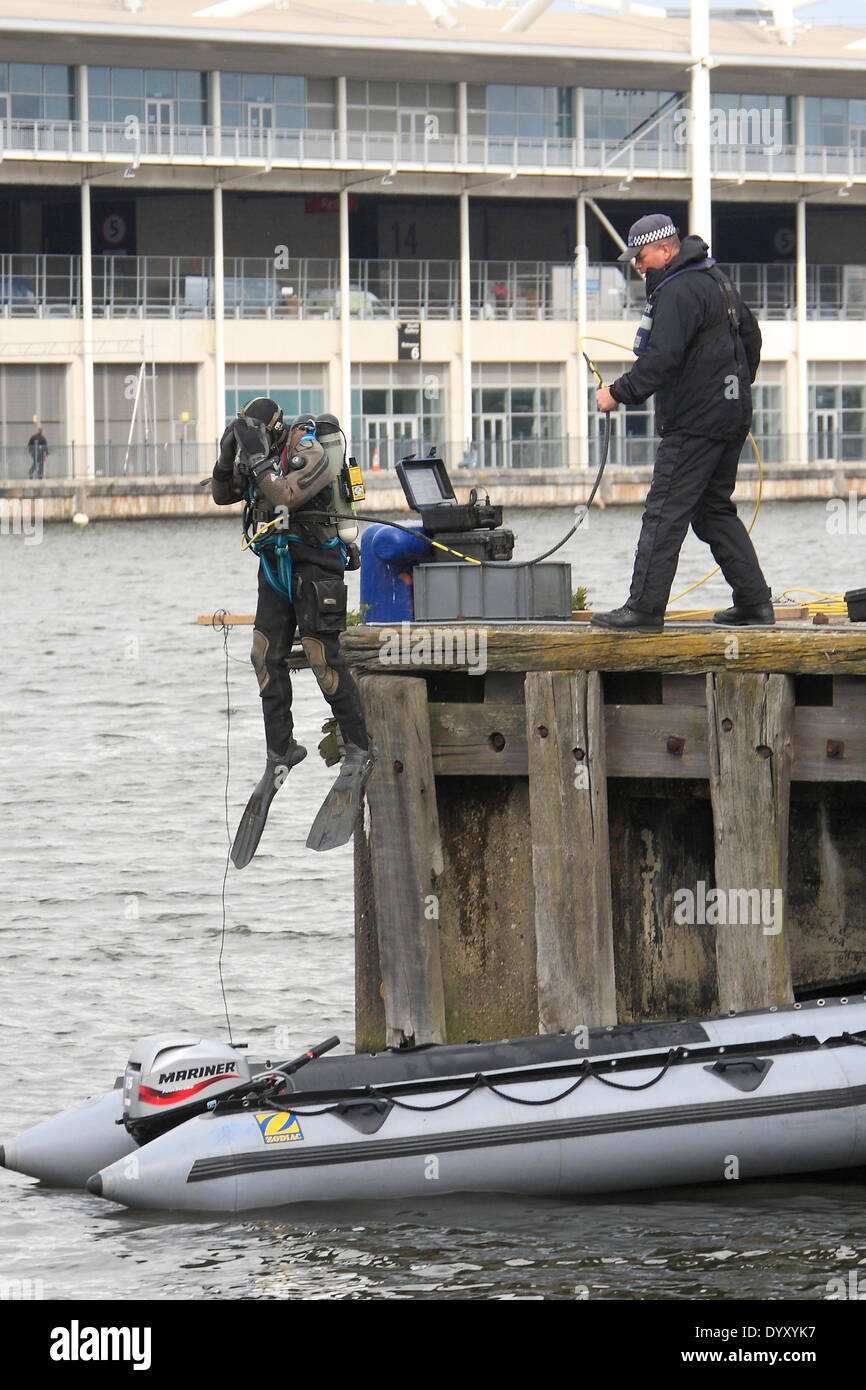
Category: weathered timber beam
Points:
column 570, row 647
column 570, row 851
column 406, row 858
column 750, row 722
column 489, row 740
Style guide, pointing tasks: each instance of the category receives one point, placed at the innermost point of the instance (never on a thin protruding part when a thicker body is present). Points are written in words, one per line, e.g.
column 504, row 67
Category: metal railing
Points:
column 194, row 459
column 152, row 286
column 174, row 287
column 39, row 286
column 188, row 459
column 324, row 148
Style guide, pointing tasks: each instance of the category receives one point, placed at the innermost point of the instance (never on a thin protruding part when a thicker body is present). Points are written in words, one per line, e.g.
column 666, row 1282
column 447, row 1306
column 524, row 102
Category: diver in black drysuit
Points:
column 287, row 475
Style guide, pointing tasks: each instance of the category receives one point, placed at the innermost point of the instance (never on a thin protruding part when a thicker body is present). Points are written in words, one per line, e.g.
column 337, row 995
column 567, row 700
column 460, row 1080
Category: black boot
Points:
column 742, row 615
column 628, row 620
column 252, row 821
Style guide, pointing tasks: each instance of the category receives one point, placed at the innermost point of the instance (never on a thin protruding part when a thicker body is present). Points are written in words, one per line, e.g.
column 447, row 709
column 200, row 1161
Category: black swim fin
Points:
column 252, row 822
column 340, row 809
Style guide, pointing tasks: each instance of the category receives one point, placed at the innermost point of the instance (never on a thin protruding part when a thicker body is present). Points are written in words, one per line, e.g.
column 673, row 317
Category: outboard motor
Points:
column 172, row 1076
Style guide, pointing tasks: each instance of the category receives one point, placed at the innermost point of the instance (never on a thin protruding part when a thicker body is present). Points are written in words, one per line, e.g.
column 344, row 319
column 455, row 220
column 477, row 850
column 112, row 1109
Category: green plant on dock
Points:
column 358, row 615
column 579, row 599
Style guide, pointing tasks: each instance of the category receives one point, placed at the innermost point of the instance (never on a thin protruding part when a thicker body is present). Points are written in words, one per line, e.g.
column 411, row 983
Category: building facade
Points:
column 414, row 227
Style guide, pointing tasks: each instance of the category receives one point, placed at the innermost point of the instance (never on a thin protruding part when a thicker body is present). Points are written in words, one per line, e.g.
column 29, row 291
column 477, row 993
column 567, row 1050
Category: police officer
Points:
column 698, row 348
column 289, row 478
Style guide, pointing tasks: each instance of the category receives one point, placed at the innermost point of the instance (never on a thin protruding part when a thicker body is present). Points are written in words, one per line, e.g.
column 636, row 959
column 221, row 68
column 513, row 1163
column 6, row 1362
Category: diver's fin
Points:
column 252, row 822
column 340, row 809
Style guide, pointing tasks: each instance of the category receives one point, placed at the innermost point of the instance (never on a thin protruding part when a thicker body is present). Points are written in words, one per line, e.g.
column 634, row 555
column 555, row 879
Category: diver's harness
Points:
column 644, row 328
column 266, row 533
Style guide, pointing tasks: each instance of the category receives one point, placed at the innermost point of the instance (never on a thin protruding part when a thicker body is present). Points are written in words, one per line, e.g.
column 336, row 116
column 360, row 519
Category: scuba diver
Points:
column 295, row 480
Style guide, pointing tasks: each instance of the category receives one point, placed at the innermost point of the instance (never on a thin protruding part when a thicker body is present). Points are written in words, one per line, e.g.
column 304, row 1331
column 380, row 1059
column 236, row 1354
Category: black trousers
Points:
column 318, row 614
column 692, row 483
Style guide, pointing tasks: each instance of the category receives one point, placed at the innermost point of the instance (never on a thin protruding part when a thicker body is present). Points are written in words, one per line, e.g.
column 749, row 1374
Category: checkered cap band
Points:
column 660, row 234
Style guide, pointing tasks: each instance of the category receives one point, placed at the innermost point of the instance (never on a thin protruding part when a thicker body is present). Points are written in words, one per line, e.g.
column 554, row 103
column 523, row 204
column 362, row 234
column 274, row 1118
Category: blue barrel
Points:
column 388, row 555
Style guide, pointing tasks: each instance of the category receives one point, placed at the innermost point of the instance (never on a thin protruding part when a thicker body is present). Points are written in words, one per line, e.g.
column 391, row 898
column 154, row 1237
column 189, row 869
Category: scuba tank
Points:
column 348, row 487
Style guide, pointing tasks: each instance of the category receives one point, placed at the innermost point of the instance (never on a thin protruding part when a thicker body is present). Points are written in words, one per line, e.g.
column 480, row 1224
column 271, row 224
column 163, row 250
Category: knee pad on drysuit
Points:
column 259, row 657
column 327, row 677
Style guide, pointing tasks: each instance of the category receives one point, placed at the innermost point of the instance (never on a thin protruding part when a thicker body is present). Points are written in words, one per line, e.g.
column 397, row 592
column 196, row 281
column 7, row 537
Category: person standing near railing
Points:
column 37, row 447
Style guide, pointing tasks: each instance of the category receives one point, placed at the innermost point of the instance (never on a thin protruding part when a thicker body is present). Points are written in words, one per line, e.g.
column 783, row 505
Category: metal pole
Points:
column 466, row 317
column 342, row 118
column 802, row 401
column 219, row 308
column 216, row 113
column 700, row 208
column 83, row 106
column 87, row 332
column 462, row 122
column 345, row 320
column 581, row 264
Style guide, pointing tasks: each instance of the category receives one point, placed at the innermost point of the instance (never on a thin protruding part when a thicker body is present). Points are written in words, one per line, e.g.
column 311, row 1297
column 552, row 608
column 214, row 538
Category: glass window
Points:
column 192, row 85
column 230, row 86
column 25, row 77
column 127, row 82
column 159, row 84
column 97, row 82
column 290, row 90
column 381, row 93
column 258, row 87
column 375, row 402
column 26, row 108
column 58, row 80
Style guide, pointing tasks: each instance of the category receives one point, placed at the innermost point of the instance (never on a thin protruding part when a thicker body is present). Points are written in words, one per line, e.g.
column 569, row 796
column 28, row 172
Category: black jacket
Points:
column 700, row 376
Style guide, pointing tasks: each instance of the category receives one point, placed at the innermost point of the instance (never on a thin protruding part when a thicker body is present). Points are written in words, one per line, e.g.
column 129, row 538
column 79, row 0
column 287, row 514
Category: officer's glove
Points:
column 253, row 448
column 224, row 466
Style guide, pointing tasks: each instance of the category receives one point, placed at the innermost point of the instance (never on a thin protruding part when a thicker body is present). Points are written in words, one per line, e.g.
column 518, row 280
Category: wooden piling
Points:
column 406, row 857
column 750, row 725
column 570, row 853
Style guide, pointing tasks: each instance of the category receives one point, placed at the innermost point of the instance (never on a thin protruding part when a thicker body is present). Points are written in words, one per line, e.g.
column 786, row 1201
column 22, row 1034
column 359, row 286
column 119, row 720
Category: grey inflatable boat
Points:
column 194, row 1125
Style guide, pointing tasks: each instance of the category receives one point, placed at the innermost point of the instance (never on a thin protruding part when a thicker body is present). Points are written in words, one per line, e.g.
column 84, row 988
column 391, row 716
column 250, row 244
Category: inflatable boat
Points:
column 199, row 1126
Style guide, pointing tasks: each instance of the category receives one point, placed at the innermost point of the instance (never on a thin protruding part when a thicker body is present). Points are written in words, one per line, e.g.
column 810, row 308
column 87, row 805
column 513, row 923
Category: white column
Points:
column 345, row 322
column 83, row 105
column 219, row 313
column 462, row 122
column 465, row 318
column 579, row 127
column 216, row 112
column 800, row 133
column 801, row 410
column 581, row 265
column 88, row 432
column 342, row 118
column 700, row 207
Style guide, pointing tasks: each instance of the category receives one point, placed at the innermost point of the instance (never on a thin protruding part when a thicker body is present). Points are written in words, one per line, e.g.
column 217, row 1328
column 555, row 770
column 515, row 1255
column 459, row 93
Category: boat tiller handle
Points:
column 289, row 1068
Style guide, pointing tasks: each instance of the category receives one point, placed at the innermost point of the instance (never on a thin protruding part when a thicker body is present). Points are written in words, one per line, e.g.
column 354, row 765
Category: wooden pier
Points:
column 532, row 830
